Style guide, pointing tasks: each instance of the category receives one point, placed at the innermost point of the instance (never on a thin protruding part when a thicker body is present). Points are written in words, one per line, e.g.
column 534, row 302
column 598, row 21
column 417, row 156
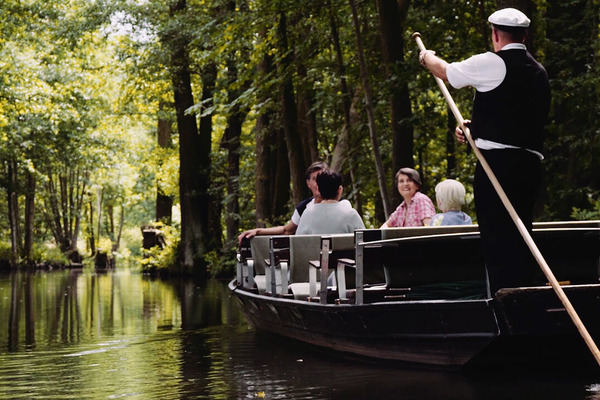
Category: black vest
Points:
column 300, row 207
column 516, row 111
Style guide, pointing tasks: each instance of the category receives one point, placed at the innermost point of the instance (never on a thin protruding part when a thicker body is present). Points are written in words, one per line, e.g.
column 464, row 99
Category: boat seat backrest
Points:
column 279, row 250
column 245, row 264
column 305, row 248
column 302, row 249
column 260, row 252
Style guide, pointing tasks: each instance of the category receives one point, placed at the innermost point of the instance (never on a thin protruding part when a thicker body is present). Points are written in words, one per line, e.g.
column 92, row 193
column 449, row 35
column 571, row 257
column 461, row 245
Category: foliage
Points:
column 573, row 142
column 161, row 260
column 84, row 84
column 48, row 254
column 587, row 214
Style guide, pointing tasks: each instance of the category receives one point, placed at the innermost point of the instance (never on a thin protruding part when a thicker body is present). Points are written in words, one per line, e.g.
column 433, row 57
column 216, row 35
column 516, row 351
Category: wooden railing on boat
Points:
column 429, row 255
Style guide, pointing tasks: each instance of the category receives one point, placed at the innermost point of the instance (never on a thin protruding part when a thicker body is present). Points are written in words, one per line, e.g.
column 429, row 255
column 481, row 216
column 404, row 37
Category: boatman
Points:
column 510, row 109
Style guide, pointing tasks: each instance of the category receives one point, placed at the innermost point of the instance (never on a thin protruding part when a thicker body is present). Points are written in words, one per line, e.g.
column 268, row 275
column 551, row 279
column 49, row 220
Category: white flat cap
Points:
column 509, row 17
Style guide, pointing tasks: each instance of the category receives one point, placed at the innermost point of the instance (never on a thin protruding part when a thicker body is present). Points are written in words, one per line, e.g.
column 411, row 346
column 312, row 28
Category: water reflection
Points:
column 82, row 335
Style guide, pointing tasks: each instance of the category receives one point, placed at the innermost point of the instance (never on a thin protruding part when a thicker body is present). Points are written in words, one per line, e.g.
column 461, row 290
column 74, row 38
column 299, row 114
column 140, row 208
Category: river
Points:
column 78, row 334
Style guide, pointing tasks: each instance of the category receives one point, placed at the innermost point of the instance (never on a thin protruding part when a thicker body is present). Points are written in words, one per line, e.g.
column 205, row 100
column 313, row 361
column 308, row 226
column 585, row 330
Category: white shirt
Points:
column 323, row 218
column 484, row 72
column 296, row 215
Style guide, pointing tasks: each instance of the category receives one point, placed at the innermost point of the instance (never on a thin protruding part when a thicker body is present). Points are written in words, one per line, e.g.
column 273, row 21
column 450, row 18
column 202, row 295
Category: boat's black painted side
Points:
column 428, row 332
column 429, row 324
column 527, row 325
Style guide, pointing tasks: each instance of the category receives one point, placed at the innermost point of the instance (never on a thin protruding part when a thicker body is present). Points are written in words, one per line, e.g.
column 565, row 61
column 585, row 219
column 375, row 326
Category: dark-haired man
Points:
column 510, row 109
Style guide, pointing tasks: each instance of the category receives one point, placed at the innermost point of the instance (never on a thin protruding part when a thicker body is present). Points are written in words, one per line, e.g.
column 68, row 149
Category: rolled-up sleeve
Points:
column 484, row 72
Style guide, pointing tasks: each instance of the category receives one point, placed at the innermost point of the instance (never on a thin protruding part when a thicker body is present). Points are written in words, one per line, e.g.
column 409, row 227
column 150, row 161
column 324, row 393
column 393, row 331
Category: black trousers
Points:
column 509, row 261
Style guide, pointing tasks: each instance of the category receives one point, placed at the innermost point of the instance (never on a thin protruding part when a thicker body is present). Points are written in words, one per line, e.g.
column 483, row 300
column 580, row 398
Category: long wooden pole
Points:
column 515, row 217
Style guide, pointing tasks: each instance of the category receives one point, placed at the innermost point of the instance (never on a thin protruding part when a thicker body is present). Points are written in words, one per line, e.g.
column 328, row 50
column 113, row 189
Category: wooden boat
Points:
column 420, row 295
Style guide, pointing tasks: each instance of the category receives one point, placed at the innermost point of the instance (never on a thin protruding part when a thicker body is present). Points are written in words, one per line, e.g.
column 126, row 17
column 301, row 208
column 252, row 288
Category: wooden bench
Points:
column 442, row 265
column 259, row 246
column 281, row 264
column 419, row 261
column 570, row 248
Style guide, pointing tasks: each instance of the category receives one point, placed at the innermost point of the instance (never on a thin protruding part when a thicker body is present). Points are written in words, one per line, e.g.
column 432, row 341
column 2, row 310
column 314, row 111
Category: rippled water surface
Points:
column 82, row 335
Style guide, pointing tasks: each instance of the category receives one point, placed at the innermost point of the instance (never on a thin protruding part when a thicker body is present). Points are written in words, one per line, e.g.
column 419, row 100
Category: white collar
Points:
column 513, row 46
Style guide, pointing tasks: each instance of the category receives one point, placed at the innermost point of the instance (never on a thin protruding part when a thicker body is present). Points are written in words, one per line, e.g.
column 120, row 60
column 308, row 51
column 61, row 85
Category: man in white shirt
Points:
column 292, row 225
column 330, row 215
column 510, row 110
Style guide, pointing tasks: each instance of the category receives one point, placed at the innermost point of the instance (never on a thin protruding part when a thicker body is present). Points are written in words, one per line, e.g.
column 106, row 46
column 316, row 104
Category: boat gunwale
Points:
column 235, row 288
column 467, row 235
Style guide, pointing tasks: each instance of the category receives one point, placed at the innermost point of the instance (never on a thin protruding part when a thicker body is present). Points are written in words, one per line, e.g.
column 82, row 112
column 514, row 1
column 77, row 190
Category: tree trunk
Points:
column 364, row 75
column 211, row 204
column 29, row 216
column 78, row 207
column 91, row 239
column 13, row 213
column 99, row 202
column 281, row 173
column 233, row 133
column 265, row 134
column 290, row 118
column 307, row 121
column 194, row 153
column 164, row 203
column 110, row 211
column 391, row 18
column 272, row 174
column 342, row 149
column 117, row 242
column 63, row 205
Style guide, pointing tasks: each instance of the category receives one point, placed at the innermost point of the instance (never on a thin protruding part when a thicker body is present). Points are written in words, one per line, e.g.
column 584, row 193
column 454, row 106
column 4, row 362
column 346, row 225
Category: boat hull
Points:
column 430, row 332
column 457, row 333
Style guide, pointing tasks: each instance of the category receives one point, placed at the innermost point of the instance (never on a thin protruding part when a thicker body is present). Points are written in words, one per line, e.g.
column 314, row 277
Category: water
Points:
column 82, row 335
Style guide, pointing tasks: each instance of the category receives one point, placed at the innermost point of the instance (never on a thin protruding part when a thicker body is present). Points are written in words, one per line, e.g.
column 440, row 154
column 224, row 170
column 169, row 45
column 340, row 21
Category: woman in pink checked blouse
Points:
column 417, row 209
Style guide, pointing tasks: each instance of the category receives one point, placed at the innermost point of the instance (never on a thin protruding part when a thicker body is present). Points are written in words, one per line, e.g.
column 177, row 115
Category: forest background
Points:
column 200, row 117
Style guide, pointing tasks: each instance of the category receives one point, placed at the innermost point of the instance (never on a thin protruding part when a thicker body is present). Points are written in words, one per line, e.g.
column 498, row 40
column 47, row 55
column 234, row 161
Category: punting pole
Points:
column 515, row 217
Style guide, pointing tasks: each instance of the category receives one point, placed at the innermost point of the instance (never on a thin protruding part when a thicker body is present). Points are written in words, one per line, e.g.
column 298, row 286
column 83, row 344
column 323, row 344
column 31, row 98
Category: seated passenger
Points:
column 416, row 209
column 450, row 197
column 330, row 215
column 292, row 225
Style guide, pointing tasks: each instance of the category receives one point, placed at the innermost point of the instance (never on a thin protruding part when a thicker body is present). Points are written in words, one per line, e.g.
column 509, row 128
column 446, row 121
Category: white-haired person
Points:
column 450, row 197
